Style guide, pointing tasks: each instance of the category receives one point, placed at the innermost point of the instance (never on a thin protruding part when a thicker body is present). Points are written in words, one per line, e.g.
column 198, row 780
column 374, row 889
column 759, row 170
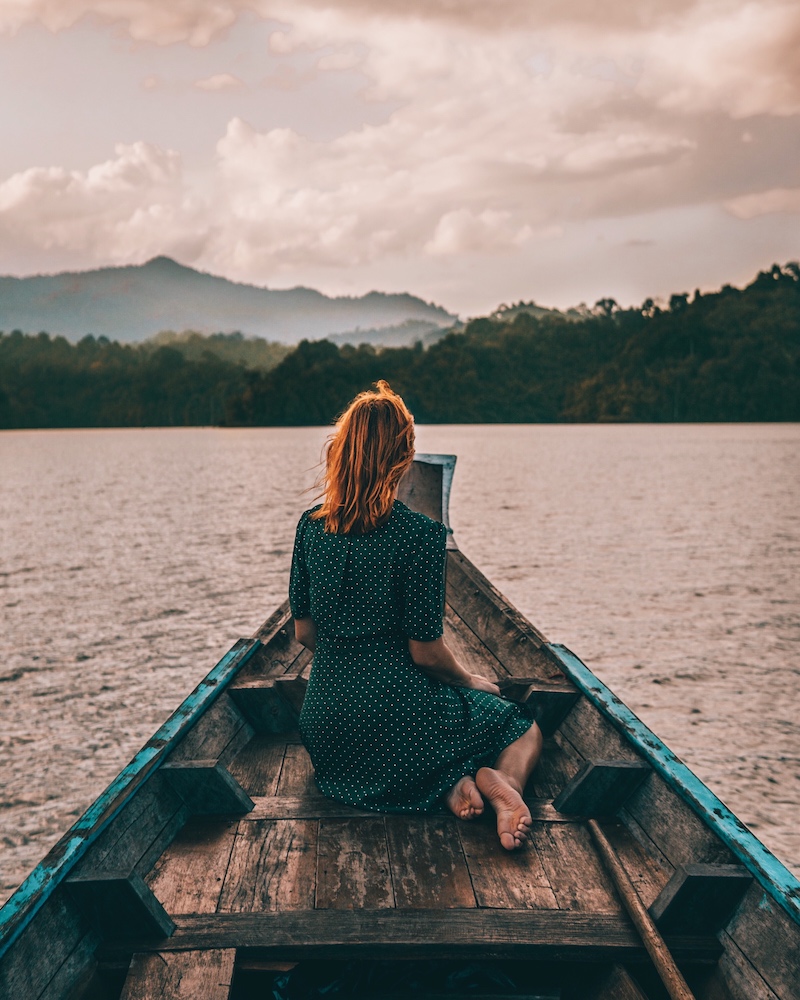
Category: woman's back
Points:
column 388, row 580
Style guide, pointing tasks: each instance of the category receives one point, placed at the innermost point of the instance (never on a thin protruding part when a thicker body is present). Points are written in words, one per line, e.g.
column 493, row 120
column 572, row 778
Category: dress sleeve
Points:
column 299, row 596
column 423, row 604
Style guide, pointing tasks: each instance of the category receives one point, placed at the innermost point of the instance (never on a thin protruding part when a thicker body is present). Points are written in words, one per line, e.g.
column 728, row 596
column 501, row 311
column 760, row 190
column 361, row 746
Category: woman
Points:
column 392, row 721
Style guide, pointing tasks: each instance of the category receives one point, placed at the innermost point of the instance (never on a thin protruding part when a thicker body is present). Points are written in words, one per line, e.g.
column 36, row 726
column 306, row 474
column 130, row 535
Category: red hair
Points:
column 365, row 458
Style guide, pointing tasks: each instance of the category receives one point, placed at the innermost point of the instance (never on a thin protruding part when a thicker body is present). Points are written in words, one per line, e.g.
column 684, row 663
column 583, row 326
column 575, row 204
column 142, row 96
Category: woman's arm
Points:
column 437, row 660
column 305, row 631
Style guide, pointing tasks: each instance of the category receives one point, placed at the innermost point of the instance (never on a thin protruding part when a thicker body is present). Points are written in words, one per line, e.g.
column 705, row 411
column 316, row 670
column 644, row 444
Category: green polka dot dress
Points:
column 381, row 733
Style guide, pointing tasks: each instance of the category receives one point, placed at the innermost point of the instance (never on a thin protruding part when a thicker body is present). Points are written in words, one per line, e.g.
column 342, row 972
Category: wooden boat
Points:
column 212, row 860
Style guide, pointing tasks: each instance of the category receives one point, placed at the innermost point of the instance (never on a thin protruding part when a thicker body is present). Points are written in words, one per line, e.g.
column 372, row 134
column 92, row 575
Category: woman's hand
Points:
column 478, row 683
column 437, row 660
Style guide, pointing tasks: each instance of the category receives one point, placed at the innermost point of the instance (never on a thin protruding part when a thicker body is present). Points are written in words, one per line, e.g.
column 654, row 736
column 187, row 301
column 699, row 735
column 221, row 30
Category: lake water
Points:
column 667, row 557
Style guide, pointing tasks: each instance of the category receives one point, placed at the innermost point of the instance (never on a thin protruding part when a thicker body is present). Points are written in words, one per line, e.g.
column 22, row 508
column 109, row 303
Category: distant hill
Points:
column 403, row 335
column 507, row 314
column 133, row 303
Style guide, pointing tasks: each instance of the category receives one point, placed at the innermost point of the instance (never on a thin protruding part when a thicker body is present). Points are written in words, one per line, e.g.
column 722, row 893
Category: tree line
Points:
column 731, row 355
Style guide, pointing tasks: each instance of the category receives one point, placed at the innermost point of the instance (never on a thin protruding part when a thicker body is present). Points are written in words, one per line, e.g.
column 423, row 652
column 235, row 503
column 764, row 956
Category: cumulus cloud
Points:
column 219, row 81
column 749, row 206
column 744, row 62
column 464, row 231
column 129, row 205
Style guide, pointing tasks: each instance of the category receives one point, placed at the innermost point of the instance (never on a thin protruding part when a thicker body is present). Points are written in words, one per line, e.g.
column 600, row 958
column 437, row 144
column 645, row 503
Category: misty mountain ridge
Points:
column 136, row 302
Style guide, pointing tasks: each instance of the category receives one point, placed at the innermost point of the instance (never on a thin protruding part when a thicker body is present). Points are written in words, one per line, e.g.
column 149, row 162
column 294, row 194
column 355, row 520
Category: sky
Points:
column 472, row 153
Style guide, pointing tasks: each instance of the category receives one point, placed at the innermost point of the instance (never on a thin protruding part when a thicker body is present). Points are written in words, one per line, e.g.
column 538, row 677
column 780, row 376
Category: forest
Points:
column 731, row 355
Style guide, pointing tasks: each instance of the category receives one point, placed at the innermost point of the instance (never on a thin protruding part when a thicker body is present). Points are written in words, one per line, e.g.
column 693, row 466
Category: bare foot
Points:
column 464, row 800
column 513, row 816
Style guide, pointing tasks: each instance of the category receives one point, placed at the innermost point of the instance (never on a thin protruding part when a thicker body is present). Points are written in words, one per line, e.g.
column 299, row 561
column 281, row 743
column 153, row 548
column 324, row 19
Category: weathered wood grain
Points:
column 300, row 665
column 187, row 975
column 576, row 875
column 601, row 787
column 403, row 933
column 550, row 704
column 213, row 733
column 44, row 946
column 554, row 770
column 272, row 867
column 353, row 865
column 735, row 978
column 468, row 649
column 646, row 869
column 188, row 876
column 74, row 974
column 509, row 636
column 768, row 938
column 257, row 767
column 678, row 832
column 280, row 651
column 428, row 866
column 422, row 488
column 302, row 807
column 617, row 985
column 317, row 806
column 139, row 833
column 297, row 773
column 504, row 879
column 593, row 736
column 648, row 845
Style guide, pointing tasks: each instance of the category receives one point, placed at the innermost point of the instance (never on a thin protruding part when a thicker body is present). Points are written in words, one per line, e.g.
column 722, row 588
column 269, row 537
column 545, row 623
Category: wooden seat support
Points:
column 271, row 704
column 116, row 902
column 207, row 788
column 700, row 898
column 601, row 787
column 550, row 701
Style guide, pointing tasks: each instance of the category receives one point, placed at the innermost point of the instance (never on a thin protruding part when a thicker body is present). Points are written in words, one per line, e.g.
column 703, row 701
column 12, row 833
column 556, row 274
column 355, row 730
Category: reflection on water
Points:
column 666, row 556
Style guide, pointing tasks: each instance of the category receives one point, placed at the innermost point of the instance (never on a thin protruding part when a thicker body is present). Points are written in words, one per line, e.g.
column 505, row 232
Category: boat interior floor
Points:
column 301, row 878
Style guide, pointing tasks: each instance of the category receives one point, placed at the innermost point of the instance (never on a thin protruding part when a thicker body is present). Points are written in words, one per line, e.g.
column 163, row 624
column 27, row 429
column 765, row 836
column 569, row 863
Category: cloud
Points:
column 219, row 81
column 743, row 61
column 199, row 21
column 192, row 21
column 506, row 123
column 615, row 152
column 131, row 206
column 749, row 206
column 463, row 231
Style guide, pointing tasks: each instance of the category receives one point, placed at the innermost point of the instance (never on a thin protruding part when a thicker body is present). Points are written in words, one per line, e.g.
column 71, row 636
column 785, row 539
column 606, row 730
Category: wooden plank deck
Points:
column 303, row 876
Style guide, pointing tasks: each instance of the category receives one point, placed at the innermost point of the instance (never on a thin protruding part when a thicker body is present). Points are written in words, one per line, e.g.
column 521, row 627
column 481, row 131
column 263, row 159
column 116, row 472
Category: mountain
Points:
column 135, row 302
